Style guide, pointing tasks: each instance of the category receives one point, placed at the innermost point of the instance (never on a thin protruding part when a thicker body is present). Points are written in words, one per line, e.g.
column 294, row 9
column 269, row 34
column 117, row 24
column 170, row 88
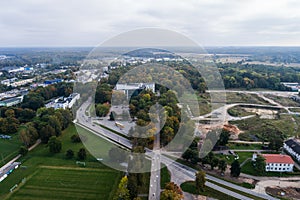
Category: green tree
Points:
column 122, row 191
column 111, row 116
column 200, row 181
column 54, row 145
column 192, row 153
column 259, row 165
column 23, row 150
column 235, row 169
column 33, row 101
column 27, row 115
column 102, row 109
column 103, row 93
column 75, row 139
column 132, row 185
column 24, row 137
column 275, row 143
column 56, row 124
column 3, row 125
column 222, row 165
column 67, row 117
column 12, row 125
column 70, row 154
column 46, row 132
column 214, row 162
column 81, row 154
column 28, row 134
column 224, row 137
column 10, row 113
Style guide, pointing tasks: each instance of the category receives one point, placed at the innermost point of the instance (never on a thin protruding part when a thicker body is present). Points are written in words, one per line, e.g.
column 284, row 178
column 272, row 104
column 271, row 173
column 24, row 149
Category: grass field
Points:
column 239, row 111
column 254, row 127
column 235, row 97
column 249, row 169
column 68, row 183
column 285, row 101
column 48, row 173
column 165, row 176
column 230, row 158
column 294, row 109
column 234, row 146
column 9, row 148
column 190, row 187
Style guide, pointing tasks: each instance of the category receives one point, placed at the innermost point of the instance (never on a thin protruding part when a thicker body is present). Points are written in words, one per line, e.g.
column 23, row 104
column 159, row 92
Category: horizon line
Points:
column 205, row 46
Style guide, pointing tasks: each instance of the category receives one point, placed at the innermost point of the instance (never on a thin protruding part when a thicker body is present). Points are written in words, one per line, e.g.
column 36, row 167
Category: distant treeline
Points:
column 257, row 76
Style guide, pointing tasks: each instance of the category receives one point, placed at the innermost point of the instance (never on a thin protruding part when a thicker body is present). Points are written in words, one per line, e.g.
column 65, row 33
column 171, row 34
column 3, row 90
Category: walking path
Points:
column 18, row 156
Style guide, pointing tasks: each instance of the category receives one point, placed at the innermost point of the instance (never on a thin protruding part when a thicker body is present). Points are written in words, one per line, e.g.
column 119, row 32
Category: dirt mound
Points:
column 232, row 129
column 288, row 192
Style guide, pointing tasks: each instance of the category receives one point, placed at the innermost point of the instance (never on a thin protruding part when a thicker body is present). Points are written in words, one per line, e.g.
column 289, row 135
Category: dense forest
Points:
column 257, row 76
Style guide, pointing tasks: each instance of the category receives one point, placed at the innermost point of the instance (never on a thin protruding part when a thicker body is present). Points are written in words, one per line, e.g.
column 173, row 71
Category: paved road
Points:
column 191, row 173
column 278, row 93
column 180, row 169
column 154, row 190
column 85, row 121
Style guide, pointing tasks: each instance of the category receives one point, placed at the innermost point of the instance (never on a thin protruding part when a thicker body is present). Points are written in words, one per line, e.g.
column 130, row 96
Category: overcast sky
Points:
column 208, row 22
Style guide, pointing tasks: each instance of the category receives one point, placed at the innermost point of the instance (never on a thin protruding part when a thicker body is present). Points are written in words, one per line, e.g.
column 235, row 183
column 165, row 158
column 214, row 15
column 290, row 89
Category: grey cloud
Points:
column 88, row 23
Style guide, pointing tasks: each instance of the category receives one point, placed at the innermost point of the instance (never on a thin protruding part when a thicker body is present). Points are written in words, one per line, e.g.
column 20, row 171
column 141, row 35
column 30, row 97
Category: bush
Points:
column 23, row 150
column 75, row 139
column 54, row 145
column 70, row 154
column 81, row 154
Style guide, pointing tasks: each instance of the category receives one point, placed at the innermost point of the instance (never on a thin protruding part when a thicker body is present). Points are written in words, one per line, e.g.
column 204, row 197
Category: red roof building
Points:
column 278, row 163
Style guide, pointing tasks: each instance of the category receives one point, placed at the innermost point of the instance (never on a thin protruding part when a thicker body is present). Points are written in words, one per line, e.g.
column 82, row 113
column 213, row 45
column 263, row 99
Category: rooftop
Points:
column 278, row 158
column 293, row 144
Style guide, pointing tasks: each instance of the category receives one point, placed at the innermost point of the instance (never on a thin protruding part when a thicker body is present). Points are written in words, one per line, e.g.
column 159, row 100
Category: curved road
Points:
column 86, row 122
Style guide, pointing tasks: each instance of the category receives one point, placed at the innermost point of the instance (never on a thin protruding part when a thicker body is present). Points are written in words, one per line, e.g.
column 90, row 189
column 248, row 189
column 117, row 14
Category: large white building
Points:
column 64, row 102
column 130, row 88
column 277, row 162
column 293, row 148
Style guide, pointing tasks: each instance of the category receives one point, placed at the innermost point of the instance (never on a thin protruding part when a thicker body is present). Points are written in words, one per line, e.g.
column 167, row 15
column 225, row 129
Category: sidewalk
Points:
column 18, row 156
column 266, row 178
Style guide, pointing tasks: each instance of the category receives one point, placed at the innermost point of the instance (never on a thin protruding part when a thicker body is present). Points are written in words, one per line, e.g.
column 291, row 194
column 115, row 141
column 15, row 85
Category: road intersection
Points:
column 182, row 172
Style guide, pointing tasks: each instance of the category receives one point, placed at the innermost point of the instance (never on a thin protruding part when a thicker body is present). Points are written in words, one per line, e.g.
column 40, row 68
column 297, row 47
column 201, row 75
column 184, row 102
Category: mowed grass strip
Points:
column 9, row 148
column 64, row 184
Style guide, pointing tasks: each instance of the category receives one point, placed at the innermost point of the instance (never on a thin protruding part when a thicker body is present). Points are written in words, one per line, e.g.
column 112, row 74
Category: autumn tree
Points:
column 122, row 191
column 200, row 181
column 171, row 192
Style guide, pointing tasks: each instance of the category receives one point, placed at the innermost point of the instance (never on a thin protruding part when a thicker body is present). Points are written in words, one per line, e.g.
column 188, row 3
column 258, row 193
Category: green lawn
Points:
column 285, row 101
column 69, row 183
column 294, row 109
column 165, row 176
column 239, row 111
column 9, row 148
column 236, row 97
column 248, row 169
column 190, row 187
column 254, row 127
column 234, row 146
column 230, row 158
column 237, row 191
column 34, row 170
